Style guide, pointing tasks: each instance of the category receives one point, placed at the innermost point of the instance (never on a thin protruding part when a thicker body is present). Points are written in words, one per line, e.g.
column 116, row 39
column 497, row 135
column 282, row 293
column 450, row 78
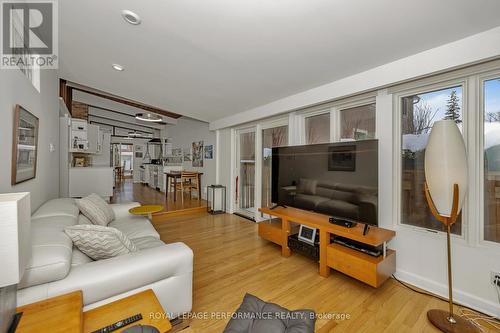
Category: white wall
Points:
column 421, row 255
column 16, row 89
column 223, row 159
column 469, row 50
column 183, row 135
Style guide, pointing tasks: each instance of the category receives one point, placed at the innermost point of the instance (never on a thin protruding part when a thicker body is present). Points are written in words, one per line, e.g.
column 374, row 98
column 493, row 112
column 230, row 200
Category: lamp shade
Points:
column 446, row 165
column 15, row 236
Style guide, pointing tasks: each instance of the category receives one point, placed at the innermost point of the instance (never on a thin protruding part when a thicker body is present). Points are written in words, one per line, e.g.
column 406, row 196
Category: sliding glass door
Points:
column 271, row 137
column 245, row 172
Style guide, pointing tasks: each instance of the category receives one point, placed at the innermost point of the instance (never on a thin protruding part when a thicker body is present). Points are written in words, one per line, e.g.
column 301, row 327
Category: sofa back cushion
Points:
column 344, row 196
column 96, row 209
column 307, row 186
column 51, row 251
column 57, row 207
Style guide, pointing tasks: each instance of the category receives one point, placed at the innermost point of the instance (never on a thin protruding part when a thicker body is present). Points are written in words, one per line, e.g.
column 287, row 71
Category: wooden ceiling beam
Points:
column 123, row 100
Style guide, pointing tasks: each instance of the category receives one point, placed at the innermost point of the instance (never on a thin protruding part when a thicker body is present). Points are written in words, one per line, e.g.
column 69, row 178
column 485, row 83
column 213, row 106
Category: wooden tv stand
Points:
column 363, row 267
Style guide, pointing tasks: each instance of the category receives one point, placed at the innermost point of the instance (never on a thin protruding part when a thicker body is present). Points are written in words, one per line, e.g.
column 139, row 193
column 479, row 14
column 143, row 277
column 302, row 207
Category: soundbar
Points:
column 343, row 222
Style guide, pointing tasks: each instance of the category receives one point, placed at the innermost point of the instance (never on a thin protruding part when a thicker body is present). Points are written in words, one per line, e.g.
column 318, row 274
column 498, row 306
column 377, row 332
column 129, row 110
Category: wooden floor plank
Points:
column 231, row 260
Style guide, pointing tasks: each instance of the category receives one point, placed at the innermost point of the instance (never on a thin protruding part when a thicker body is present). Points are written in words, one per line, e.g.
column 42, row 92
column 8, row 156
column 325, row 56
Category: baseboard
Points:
column 459, row 297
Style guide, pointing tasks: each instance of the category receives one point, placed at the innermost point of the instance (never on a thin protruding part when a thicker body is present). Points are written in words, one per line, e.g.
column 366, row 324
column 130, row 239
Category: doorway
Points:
column 245, row 173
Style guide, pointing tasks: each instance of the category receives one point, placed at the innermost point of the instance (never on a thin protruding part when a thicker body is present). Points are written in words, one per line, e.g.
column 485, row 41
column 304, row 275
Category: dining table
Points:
column 174, row 176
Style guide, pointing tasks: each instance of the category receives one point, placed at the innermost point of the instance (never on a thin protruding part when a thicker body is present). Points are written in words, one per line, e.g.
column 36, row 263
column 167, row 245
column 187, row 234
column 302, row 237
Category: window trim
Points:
column 336, row 111
column 315, row 113
column 416, row 89
column 479, row 202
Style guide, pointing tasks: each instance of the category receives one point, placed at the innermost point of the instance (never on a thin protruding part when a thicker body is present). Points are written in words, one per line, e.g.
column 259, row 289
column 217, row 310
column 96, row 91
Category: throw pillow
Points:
column 96, row 209
column 256, row 316
column 99, row 242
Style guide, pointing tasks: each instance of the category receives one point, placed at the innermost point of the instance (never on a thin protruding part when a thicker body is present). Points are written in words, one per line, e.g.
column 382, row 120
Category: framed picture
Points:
column 209, row 152
column 342, row 158
column 24, row 146
column 307, row 234
column 197, row 151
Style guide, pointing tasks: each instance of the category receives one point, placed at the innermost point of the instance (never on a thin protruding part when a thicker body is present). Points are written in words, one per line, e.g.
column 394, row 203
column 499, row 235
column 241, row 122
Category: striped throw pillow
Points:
column 99, row 242
column 96, row 209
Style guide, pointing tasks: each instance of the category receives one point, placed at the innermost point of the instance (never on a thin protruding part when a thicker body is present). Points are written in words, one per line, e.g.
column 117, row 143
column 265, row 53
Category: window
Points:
column 271, row 137
column 357, row 123
column 492, row 160
column 318, row 128
column 419, row 112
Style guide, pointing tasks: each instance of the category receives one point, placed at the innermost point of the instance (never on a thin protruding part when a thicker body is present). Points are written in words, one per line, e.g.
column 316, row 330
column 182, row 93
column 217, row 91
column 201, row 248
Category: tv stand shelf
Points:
column 368, row 269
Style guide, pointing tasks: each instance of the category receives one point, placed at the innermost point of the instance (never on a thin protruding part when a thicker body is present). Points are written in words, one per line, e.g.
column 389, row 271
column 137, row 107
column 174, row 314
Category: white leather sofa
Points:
column 57, row 267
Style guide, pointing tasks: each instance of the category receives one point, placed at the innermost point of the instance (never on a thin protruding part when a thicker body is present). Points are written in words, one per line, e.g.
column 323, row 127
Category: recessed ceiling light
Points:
column 131, row 17
column 118, row 67
column 151, row 117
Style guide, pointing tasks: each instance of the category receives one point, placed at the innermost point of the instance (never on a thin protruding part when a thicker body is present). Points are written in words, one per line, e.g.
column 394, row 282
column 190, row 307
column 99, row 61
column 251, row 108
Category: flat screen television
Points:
column 336, row 179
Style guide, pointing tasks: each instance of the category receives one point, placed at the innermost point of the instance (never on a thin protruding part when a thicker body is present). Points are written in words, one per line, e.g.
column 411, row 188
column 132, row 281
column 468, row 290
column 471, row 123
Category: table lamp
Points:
column 15, row 252
column 445, row 189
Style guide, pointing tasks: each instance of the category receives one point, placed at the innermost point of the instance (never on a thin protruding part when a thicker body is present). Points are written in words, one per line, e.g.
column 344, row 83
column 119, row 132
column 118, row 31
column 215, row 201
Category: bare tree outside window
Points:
column 491, row 181
column 358, row 123
column 318, row 129
column 419, row 112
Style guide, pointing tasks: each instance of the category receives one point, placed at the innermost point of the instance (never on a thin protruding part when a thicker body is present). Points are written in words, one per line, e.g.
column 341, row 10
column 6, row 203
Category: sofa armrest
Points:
column 121, row 210
column 102, row 279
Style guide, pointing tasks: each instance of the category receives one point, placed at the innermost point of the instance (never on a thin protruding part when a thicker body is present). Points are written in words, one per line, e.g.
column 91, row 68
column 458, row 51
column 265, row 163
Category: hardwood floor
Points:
column 127, row 191
column 231, row 260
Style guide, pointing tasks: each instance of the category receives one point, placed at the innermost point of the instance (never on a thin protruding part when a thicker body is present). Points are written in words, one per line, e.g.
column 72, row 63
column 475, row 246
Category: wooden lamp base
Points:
column 439, row 318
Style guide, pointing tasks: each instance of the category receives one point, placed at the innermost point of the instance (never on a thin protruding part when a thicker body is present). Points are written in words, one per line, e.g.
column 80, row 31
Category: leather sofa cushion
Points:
column 308, row 202
column 344, row 196
column 79, row 258
column 307, row 186
column 148, row 242
column 57, row 207
column 257, row 316
column 135, row 227
column 51, row 254
column 338, row 208
column 83, row 220
column 55, row 222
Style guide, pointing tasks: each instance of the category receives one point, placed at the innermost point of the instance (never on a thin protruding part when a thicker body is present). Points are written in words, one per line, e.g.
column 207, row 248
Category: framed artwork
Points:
column 209, row 152
column 186, row 152
column 24, row 146
column 342, row 158
column 197, row 151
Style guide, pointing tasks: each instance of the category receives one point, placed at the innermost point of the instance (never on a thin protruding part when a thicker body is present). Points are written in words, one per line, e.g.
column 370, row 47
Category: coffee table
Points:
column 146, row 210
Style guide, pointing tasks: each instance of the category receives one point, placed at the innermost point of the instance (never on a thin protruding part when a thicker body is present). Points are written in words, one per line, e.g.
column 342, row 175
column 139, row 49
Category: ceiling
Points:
column 214, row 58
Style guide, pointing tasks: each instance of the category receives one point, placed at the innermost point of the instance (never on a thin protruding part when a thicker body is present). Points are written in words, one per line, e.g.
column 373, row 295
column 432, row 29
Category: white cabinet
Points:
column 93, row 135
column 85, row 138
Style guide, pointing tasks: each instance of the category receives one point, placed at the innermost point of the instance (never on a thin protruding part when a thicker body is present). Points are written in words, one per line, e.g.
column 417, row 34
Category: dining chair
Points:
column 188, row 182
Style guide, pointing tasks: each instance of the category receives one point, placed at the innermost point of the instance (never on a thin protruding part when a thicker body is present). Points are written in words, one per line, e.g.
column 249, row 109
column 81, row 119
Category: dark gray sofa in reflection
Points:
column 334, row 199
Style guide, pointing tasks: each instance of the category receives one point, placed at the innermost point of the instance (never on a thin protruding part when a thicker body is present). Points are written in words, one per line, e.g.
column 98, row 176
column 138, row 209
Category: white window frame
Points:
column 337, row 110
column 313, row 113
column 416, row 89
column 479, row 156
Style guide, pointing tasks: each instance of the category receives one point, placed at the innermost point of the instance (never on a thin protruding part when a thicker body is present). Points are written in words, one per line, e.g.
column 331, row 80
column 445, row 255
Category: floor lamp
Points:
column 445, row 189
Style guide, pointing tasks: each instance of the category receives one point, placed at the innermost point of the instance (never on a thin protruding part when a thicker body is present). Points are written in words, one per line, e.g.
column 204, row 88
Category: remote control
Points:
column 119, row 324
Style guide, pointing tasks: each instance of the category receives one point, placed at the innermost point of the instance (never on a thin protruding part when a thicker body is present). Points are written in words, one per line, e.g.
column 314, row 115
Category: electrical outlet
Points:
column 495, row 276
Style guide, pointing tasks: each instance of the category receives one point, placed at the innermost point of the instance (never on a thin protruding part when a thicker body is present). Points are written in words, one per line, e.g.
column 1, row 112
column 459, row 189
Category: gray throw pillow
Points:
column 256, row 316
column 99, row 242
column 96, row 209
column 307, row 186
